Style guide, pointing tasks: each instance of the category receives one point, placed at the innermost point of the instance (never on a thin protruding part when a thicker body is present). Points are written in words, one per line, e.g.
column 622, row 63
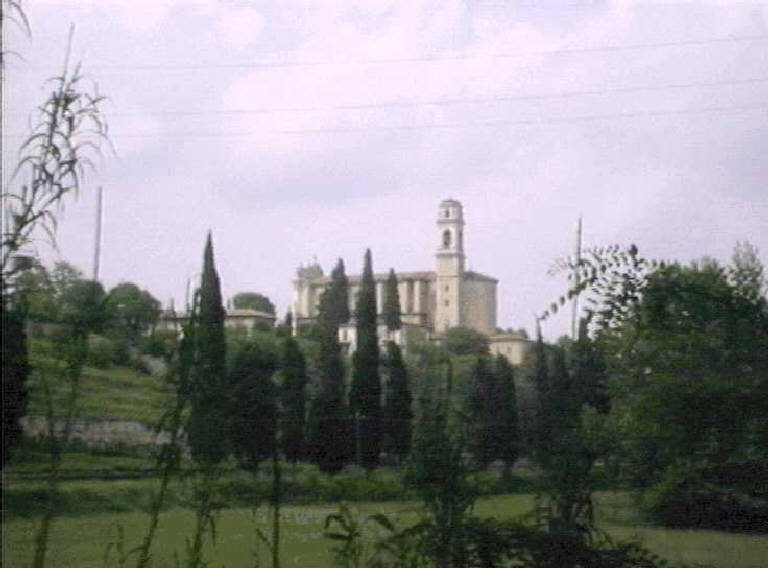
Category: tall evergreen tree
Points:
column 541, row 381
column 334, row 303
column 254, row 407
column 509, row 428
column 391, row 309
column 15, row 371
column 329, row 426
column 208, row 421
column 365, row 395
column 590, row 372
column 482, row 410
column 398, row 414
column 293, row 394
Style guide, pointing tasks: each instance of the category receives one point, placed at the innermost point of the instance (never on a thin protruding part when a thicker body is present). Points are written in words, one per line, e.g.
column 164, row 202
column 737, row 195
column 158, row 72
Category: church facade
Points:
column 431, row 302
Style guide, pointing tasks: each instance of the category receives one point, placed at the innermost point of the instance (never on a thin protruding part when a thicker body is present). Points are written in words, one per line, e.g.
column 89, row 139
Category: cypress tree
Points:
column 329, row 427
column 334, row 303
column 255, row 410
column 15, row 372
column 293, row 393
column 509, row 428
column 484, row 416
column 391, row 309
column 397, row 410
column 332, row 433
column 365, row 395
column 208, row 421
column 590, row 370
column 541, row 381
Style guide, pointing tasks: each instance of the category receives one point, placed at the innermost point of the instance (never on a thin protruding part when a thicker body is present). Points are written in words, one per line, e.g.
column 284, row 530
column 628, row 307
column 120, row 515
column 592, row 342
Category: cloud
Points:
column 240, row 26
column 279, row 185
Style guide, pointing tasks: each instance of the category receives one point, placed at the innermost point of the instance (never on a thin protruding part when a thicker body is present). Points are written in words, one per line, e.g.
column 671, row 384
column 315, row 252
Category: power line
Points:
column 286, row 64
column 439, row 102
column 458, row 101
column 483, row 124
column 562, row 120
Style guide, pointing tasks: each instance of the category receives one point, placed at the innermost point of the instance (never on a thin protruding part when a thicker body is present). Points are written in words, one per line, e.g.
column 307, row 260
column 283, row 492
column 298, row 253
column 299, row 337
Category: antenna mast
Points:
column 576, row 282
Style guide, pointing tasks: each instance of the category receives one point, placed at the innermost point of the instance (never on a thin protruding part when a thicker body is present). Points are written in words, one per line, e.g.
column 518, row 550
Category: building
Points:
column 431, row 302
column 246, row 320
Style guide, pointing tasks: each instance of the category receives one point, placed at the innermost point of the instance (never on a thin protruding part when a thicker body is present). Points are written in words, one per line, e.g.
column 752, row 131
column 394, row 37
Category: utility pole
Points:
column 576, row 282
column 97, row 236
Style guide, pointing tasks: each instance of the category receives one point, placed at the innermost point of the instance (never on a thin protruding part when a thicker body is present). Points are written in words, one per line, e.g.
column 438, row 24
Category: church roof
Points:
column 381, row 277
column 471, row 275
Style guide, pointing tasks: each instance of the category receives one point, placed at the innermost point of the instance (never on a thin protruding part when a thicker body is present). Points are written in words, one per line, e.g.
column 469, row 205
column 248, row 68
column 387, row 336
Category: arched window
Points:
column 447, row 213
column 446, row 238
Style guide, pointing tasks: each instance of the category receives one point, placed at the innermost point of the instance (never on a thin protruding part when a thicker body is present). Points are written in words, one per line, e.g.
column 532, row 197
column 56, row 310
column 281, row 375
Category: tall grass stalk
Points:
column 179, row 373
column 74, row 349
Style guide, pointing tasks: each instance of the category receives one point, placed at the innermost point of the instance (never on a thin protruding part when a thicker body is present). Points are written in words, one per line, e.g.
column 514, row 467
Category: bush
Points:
column 720, row 498
column 121, row 352
column 100, row 352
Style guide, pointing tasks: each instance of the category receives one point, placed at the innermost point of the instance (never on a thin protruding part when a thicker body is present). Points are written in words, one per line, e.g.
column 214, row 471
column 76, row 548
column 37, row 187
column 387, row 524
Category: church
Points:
column 431, row 301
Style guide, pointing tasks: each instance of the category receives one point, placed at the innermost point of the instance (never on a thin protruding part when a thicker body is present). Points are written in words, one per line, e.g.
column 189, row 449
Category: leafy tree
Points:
column 36, row 288
column 397, row 409
column 365, row 393
column 746, row 272
column 391, row 309
column 253, row 301
column 438, row 472
column 255, row 403
column 685, row 348
column 82, row 308
column 694, row 356
column 293, row 393
column 465, row 341
column 134, row 310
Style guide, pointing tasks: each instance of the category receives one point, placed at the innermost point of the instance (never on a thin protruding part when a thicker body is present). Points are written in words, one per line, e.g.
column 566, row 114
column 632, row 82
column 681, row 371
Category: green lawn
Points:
column 81, row 541
column 116, row 393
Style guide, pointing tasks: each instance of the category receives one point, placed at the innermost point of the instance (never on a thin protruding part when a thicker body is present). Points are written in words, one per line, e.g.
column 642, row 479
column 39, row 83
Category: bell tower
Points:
column 450, row 265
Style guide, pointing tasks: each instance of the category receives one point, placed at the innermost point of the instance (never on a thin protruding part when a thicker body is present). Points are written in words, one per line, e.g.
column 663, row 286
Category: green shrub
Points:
column 160, row 343
column 100, row 352
column 724, row 498
column 121, row 352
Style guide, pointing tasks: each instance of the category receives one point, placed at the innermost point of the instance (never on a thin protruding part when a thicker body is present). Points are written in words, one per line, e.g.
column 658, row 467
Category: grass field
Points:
column 115, row 393
column 81, row 541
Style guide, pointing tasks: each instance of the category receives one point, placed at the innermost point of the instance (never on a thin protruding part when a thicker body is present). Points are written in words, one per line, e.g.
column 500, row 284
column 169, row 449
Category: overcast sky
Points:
column 294, row 130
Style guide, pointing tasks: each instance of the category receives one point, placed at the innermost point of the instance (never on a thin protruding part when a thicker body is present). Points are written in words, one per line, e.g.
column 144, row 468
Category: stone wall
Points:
column 99, row 432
